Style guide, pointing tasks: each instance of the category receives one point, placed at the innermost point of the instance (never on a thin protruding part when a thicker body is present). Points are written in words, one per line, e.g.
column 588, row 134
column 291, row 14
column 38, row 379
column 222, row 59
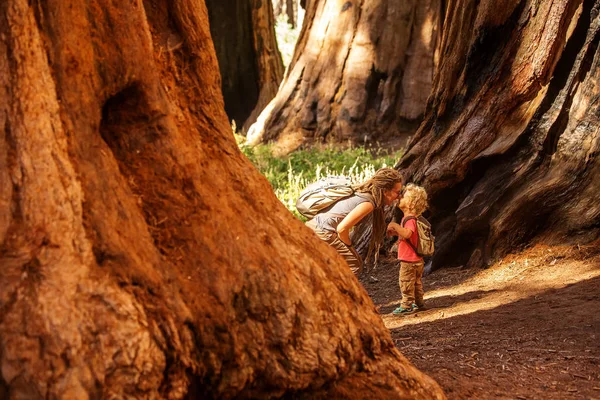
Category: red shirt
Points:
column 405, row 252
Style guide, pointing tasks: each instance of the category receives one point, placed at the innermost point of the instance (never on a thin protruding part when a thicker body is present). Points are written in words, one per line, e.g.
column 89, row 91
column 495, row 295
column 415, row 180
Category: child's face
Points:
column 403, row 203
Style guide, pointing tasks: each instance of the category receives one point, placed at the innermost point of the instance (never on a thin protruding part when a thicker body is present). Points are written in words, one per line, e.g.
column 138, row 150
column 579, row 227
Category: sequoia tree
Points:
column 251, row 68
column 141, row 255
column 509, row 146
column 361, row 72
column 290, row 7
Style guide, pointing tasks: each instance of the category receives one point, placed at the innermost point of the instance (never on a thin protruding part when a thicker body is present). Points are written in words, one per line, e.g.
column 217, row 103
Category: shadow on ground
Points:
column 442, row 302
column 544, row 346
column 383, row 286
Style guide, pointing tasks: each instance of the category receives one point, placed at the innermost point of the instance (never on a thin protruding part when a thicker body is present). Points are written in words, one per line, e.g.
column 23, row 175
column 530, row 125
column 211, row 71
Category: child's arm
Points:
column 404, row 233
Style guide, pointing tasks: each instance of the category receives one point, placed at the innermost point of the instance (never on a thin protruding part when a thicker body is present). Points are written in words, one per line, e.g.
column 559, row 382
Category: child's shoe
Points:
column 402, row 311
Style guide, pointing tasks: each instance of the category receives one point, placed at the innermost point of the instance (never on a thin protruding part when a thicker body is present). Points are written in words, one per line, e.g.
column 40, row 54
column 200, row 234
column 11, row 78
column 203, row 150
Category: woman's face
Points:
column 390, row 195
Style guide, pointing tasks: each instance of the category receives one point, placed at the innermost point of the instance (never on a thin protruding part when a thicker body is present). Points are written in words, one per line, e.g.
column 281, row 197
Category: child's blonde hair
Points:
column 415, row 198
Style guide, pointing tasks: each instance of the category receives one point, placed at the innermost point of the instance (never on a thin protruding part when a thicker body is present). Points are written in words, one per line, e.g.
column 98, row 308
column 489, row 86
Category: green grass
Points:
column 290, row 174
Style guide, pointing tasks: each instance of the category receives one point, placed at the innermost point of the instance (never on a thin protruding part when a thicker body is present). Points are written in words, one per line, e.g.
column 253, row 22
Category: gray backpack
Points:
column 323, row 193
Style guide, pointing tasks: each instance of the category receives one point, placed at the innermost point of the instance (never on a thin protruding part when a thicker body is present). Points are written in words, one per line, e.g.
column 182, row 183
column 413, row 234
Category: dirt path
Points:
column 526, row 328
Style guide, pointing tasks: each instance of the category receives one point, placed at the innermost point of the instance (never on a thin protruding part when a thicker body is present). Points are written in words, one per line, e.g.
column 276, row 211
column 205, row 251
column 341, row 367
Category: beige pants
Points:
column 348, row 252
column 411, row 284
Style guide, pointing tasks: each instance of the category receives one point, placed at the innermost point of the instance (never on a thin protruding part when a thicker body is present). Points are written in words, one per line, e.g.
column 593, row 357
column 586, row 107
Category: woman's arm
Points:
column 404, row 233
column 353, row 218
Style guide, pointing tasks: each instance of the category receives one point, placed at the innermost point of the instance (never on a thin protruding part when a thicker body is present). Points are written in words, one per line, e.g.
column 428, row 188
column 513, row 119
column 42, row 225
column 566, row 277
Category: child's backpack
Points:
column 425, row 238
column 323, row 193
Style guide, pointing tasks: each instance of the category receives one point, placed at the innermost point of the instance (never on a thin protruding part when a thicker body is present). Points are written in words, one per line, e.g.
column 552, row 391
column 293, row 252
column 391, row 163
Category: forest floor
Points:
column 528, row 327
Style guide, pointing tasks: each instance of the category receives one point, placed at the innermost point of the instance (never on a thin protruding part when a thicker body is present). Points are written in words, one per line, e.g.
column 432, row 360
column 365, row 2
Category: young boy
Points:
column 412, row 204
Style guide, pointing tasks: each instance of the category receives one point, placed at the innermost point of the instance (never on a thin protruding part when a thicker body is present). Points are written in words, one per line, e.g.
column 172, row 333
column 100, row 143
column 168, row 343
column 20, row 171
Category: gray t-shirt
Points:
column 329, row 219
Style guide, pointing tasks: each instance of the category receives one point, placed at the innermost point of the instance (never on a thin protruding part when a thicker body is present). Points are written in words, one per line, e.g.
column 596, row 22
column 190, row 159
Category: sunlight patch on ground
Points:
column 495, row 287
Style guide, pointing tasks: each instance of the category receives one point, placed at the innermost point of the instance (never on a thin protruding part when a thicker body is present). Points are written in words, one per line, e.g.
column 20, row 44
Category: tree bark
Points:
column 249, row 60
column 291, row 12
column 290, row 7
column 278, row 7
column 361, row 72
column 508, row 149
column 141, row 254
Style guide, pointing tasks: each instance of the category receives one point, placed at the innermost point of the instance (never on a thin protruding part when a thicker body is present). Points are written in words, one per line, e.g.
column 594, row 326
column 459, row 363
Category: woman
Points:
column 333, row 224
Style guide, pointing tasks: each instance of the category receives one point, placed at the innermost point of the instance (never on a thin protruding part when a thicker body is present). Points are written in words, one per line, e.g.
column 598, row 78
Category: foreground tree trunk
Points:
column 249, row 60
column 509, row 146
column 361, row 72
column 127, row 269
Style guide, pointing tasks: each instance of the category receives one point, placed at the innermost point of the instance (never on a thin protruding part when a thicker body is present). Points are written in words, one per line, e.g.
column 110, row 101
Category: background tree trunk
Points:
column 509, row 146
column 127, row 265
column 361, row 72
column 278, row 7
column 251, row 68
column 290, row 8
column 291, row 12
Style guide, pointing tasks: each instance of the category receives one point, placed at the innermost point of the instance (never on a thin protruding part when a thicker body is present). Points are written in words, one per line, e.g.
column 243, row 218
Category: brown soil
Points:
column 525, row 328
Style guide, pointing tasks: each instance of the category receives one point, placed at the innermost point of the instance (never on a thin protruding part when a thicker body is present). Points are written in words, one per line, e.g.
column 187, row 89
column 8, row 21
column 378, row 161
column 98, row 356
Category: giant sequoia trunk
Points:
column 361, row 72
column 127, row 266
column 251, row 68
column 509, row 146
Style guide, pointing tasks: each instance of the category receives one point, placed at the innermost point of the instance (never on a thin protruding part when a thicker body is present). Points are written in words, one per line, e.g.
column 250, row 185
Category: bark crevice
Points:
column 564, row 82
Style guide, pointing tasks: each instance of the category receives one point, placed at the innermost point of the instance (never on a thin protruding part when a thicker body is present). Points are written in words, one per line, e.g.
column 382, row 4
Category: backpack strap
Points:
column 367, row 196
column 326, row 211
column 404, row 220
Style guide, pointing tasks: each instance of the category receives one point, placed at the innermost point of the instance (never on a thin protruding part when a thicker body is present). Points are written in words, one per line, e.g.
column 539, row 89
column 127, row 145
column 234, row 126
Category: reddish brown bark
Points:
column 361, row 73
column 127, row 266
column 269, row 61
column 249, row 60
column 508, row 148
